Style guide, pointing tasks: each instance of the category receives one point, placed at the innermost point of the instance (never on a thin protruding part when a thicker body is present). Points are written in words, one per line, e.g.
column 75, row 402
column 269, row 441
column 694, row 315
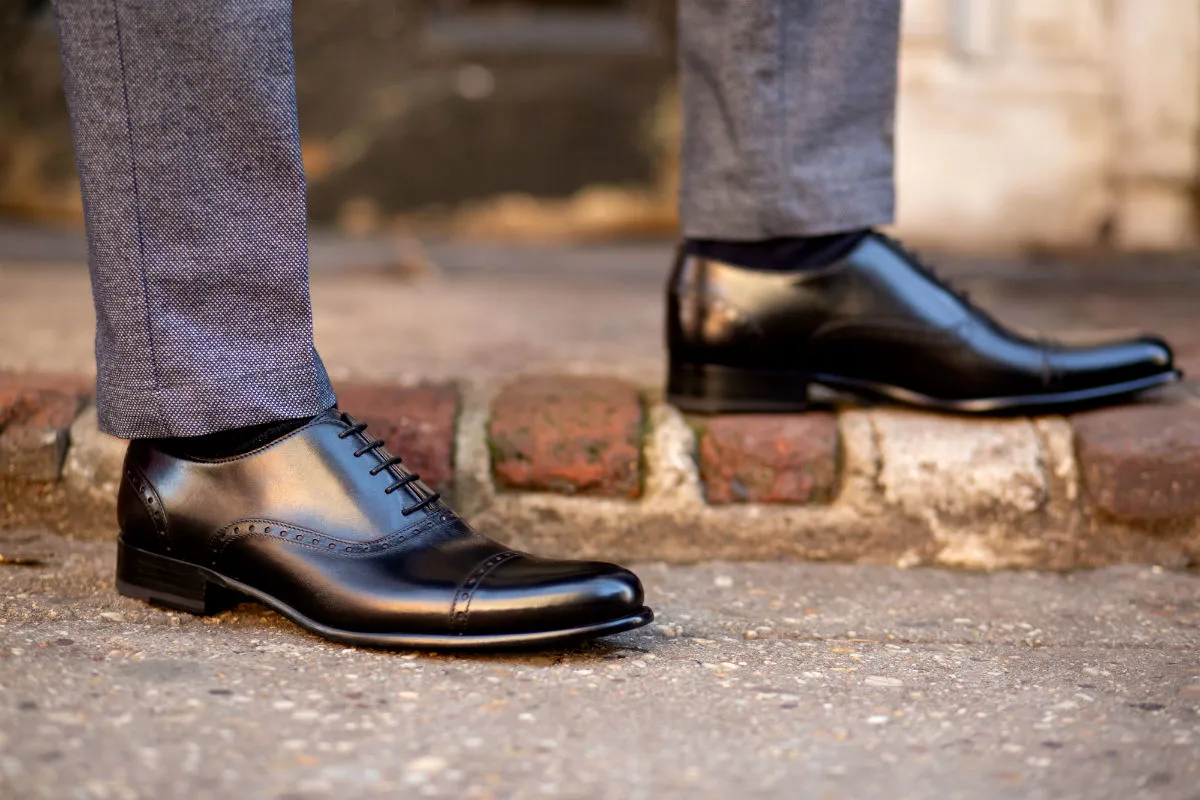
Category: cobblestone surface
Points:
column 562, row 460
column 1142, row 463
column 36, row 413
column 571, row 435
column 769, row 458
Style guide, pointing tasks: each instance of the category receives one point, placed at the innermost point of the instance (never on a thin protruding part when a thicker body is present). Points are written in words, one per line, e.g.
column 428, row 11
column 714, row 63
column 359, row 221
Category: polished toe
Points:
column 1155, row 353
column 525, row 593
column 1108, row 364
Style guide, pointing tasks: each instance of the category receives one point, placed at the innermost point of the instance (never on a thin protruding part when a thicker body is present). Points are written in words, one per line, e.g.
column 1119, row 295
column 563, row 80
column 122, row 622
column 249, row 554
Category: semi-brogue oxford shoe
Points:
column 328, row 529
column 879, row 325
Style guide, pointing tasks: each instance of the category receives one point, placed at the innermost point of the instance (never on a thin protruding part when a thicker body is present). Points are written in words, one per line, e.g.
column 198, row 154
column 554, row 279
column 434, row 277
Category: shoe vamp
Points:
column 969, row 360
column 400, row 586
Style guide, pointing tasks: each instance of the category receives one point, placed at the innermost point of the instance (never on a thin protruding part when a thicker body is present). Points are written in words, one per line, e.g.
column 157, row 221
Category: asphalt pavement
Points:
column 757, row 680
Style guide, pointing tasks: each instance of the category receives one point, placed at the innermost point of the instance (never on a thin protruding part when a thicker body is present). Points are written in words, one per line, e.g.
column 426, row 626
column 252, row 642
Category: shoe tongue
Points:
column 330, row 414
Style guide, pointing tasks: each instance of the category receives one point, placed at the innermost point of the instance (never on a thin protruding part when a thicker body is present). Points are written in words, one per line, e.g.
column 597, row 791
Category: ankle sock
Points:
column 231, row 442
column 787, row 254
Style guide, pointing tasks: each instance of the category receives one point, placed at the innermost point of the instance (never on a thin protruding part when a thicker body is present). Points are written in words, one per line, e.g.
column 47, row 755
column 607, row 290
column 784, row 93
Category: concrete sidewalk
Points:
column 767, row 680
column 486, row 311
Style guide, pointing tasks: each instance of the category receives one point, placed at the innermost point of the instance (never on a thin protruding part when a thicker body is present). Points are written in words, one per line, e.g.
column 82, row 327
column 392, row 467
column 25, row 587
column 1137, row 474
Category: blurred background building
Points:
column 1023, row 124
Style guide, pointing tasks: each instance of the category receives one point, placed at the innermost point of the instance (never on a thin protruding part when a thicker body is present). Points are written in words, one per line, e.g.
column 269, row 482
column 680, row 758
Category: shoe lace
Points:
column 405, row 479
column 922, row 265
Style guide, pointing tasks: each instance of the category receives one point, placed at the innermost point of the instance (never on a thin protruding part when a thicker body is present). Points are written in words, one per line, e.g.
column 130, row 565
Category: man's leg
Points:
column 789, row 108
column 781, row 282
column 185, row 126
column 184, row 120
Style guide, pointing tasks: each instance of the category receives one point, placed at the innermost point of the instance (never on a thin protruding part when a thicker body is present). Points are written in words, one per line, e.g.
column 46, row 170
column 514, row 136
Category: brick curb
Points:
column 593, row 467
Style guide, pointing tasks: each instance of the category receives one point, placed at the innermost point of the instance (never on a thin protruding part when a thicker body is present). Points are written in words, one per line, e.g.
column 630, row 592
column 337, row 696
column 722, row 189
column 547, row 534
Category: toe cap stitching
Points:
column 460, row 608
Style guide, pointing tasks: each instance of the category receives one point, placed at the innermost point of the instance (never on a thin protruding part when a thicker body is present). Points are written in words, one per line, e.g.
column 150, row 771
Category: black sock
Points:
column 231, row 442
column 788, row 254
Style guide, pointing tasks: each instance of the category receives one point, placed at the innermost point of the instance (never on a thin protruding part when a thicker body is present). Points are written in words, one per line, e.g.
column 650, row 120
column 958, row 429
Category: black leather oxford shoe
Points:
column 879, row 325
column 325, row 527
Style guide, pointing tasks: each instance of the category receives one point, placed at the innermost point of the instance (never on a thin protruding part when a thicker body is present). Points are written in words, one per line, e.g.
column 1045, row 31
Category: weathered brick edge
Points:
column 591, row 467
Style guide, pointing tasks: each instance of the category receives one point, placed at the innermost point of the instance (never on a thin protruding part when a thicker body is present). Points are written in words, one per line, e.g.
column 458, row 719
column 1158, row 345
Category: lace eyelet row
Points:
column 407, row 479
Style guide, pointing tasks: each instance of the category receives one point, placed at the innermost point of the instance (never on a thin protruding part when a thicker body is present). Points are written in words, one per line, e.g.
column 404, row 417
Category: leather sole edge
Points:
column 161, row 595
column 746, row 400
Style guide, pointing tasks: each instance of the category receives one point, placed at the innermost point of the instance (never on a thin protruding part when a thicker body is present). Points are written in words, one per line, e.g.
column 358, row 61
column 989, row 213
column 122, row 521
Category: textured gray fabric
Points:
column 789, row 112
column 184, row 121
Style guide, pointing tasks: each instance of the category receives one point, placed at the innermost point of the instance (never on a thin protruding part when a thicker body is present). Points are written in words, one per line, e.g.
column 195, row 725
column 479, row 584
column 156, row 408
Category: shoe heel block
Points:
column 716, row 389
column 169, row 582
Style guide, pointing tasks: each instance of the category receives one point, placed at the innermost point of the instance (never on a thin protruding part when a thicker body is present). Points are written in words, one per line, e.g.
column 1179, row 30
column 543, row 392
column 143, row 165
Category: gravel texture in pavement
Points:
column 757, row 680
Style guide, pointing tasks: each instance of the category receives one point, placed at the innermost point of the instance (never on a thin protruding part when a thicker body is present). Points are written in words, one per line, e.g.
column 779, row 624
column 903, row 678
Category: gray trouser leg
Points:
column 184, row 120
column 789, row 110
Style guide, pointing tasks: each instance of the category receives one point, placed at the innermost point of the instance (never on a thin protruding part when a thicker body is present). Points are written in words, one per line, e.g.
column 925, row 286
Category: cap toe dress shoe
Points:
column 328, row 529
column 878, row 324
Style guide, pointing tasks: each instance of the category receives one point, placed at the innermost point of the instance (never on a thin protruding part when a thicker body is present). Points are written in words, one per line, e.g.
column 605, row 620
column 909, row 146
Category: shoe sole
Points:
column 712, row 389
column 164, row 581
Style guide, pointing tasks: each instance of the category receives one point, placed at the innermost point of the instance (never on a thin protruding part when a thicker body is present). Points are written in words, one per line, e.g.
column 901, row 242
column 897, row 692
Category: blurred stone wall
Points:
column 1050, row 122
column 1022, row 123
column 416, row 113
column 37, row 173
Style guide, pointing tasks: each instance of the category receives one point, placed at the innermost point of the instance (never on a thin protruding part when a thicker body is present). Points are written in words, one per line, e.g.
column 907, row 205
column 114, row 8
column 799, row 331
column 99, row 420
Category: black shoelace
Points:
column 407, row 479
column 923, row 266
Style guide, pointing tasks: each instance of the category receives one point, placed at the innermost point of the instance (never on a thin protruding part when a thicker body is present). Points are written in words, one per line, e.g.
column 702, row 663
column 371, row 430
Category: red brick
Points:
column 1141, row 463
column 572, row 435
column 416, row 422
column 37, row 381
column 36, row 412
column 769, row 458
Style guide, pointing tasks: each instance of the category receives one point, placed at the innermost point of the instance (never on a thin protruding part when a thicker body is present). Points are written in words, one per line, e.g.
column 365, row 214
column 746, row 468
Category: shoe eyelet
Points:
column 237, row 529
column 252, row 529
column 332, row 545
column 299, row 536
column 283, row 533
column 267, row 529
